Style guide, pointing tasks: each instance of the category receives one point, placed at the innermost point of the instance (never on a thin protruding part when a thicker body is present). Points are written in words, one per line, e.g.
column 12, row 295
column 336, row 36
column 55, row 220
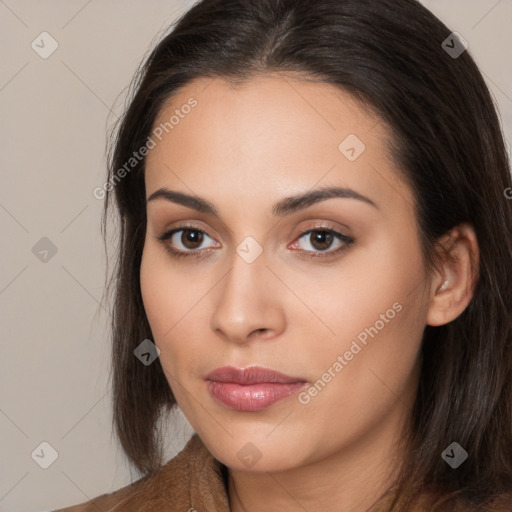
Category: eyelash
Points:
column 347, row 242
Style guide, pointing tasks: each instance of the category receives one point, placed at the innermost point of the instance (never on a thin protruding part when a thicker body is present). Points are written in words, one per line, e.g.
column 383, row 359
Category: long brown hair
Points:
column 447, row 143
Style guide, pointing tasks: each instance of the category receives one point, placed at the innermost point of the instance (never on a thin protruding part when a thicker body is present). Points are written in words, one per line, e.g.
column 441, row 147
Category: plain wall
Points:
column 54, row 364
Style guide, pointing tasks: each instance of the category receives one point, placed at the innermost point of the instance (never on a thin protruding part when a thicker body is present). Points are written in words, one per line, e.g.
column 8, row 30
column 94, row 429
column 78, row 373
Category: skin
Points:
column 243, row 149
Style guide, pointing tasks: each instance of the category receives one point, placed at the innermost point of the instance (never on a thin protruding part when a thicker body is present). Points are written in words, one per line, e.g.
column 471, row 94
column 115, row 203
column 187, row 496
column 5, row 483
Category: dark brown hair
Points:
column 447, row 143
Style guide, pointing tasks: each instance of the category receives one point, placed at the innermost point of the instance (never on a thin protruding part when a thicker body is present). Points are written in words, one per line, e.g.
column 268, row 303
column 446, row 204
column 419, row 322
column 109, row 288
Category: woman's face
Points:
column 330, row 291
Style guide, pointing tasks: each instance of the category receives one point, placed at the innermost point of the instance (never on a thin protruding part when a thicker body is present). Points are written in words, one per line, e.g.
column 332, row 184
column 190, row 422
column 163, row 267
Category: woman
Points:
column 314, row 265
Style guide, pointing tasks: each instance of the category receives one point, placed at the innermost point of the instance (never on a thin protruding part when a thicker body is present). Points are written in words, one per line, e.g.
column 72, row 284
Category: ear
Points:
column 453, row 283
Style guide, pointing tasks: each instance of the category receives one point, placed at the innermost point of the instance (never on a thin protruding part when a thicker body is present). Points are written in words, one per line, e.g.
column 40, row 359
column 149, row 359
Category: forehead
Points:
column 269, row 136
column 266, row 104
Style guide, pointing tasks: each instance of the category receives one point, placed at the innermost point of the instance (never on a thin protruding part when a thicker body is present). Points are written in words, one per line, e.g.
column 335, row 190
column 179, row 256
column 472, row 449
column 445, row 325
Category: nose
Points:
column 248, row 302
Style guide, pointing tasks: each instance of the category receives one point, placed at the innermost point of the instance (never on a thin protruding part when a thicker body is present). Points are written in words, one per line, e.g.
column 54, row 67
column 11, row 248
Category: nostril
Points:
column 262, row 330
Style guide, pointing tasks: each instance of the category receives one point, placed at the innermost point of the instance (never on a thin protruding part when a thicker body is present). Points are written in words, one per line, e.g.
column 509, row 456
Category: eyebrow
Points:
column 283, row 207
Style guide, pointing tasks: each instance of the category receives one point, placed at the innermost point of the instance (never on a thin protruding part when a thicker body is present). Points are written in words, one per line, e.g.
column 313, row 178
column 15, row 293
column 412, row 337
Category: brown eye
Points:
column 186, row 241
column 321, row 240
column 191, row 238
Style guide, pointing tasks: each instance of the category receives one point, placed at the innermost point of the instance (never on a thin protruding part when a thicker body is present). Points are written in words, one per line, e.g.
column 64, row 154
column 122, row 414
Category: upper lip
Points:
column 251, row 375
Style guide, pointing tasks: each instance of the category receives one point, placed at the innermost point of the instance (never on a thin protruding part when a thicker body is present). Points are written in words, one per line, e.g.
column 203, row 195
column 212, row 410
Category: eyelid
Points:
column 324, row 225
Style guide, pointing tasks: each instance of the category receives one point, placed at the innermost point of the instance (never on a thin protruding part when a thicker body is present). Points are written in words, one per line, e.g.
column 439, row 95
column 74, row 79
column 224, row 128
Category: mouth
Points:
column 251, row 389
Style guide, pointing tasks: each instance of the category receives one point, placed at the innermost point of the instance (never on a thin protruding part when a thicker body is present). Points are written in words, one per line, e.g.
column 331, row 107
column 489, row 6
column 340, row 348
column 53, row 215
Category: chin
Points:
column 255, row 452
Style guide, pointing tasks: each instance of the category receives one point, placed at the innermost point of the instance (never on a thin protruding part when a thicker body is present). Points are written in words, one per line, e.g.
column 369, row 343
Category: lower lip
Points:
column 253, row 397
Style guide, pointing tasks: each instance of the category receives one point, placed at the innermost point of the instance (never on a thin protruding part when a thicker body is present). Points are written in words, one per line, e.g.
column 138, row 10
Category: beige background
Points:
column 54, row 112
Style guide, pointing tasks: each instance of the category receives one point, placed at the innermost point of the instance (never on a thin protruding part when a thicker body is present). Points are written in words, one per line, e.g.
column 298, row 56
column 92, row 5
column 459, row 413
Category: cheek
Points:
column 361, row 375
column 379, row 317
column 375, row 303
column 173, row 308
column 166, row 291
column 163, row 299
column 366, row 288
column 156, row 290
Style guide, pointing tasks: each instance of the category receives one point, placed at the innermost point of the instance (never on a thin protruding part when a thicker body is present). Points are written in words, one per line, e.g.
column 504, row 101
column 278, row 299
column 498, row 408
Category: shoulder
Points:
column 192, row 479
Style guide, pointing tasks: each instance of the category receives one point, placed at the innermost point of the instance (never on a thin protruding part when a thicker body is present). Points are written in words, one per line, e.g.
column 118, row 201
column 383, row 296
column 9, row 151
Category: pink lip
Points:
column 251, row 389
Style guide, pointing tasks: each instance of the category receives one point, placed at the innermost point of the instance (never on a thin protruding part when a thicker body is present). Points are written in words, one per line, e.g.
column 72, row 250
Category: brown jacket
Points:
column 194, row 481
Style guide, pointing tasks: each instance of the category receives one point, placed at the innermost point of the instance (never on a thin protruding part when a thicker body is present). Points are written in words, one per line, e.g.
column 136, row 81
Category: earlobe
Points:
column 452, row 287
